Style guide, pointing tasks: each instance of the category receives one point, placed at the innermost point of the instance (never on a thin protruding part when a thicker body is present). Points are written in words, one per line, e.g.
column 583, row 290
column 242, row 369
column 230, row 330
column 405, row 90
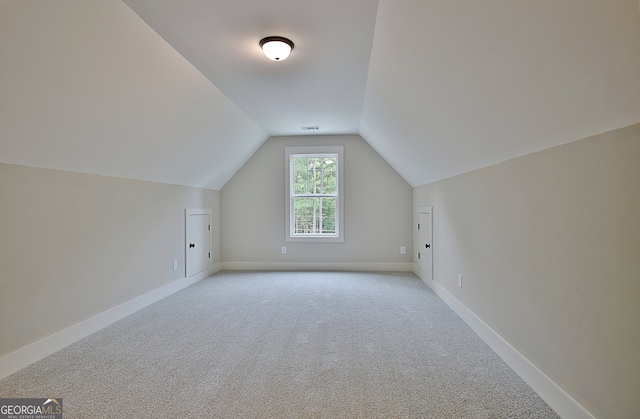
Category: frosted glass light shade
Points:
column 276, row 48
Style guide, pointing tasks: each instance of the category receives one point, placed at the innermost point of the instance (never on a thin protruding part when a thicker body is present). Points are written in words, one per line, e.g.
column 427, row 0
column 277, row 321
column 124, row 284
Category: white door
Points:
column 425, row 245
column 198, row 244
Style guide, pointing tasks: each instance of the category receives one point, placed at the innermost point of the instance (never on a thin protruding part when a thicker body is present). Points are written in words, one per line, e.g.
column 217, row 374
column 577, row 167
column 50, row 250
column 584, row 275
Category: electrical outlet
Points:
column 284, row 250
column 459, row 280
column 175, row 265
column 403, row 250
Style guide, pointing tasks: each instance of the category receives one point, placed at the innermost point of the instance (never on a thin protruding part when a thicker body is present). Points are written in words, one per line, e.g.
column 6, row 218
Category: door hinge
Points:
column 209, row 227
column 418, row 226
column 209, row 255
column 418, row 255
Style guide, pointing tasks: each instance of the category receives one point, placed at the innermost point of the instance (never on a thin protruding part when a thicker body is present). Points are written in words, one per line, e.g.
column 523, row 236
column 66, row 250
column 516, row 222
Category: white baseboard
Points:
column 558, row 399
column 319, row 266
column 36, row 351
column 216, row 267
column 551, row 393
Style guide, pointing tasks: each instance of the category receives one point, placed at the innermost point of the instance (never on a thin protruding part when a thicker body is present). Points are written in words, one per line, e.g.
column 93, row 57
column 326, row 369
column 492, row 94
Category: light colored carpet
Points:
column 285, row 345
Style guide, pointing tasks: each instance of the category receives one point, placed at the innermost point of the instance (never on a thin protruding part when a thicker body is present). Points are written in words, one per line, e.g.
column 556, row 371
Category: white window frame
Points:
column 290, row 236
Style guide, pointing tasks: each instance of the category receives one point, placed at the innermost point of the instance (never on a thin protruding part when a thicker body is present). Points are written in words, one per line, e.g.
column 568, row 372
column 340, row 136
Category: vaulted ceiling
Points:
column 178, row 91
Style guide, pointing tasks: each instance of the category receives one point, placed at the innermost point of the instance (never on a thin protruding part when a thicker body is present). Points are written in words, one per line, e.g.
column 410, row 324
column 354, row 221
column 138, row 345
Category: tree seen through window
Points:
column 314, row 194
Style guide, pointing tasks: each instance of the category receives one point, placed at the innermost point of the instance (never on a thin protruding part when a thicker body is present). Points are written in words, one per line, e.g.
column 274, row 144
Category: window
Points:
column 314, row 193
column 314, row 197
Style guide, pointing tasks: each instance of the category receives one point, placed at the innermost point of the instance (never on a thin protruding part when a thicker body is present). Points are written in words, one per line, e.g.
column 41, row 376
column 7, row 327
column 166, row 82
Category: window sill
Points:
column 314, row 239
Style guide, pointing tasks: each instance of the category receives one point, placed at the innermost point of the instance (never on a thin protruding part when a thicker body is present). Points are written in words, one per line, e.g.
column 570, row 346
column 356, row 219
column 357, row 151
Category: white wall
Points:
column 73, row 246
column 377, row 212
column 549, row 249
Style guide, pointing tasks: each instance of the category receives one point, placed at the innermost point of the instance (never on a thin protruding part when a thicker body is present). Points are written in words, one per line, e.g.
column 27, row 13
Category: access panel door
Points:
column 425, row 246
column 198, row 241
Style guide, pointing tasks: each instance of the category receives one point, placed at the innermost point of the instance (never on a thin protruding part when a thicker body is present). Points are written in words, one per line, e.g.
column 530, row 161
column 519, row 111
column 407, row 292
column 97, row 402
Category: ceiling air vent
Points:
column 310, row 128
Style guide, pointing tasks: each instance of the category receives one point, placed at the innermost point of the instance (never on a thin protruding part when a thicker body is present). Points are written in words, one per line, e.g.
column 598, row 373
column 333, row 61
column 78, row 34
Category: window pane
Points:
column 301, row 175
column 329, row 175
column 314, row 215
column 314, row 175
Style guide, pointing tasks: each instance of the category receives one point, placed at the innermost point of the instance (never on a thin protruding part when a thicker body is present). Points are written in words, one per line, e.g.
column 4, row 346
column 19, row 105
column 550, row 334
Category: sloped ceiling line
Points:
column 179, row 91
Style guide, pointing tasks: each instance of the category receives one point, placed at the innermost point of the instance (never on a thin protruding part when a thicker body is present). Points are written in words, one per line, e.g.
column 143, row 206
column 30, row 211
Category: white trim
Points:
column 338, row 151
column 558, row 399
column 36, row 351
column 317, row 266
column 216, row 267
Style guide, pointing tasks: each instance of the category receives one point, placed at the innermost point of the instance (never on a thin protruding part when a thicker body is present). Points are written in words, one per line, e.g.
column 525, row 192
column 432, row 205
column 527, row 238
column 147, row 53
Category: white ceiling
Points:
column 86, row 86
column 456, row 85
column 321, row 84
column 178, row 92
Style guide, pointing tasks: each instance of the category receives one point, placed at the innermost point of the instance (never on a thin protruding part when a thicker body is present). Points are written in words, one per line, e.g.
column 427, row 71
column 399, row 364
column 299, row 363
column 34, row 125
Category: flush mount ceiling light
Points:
column 276, row 48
